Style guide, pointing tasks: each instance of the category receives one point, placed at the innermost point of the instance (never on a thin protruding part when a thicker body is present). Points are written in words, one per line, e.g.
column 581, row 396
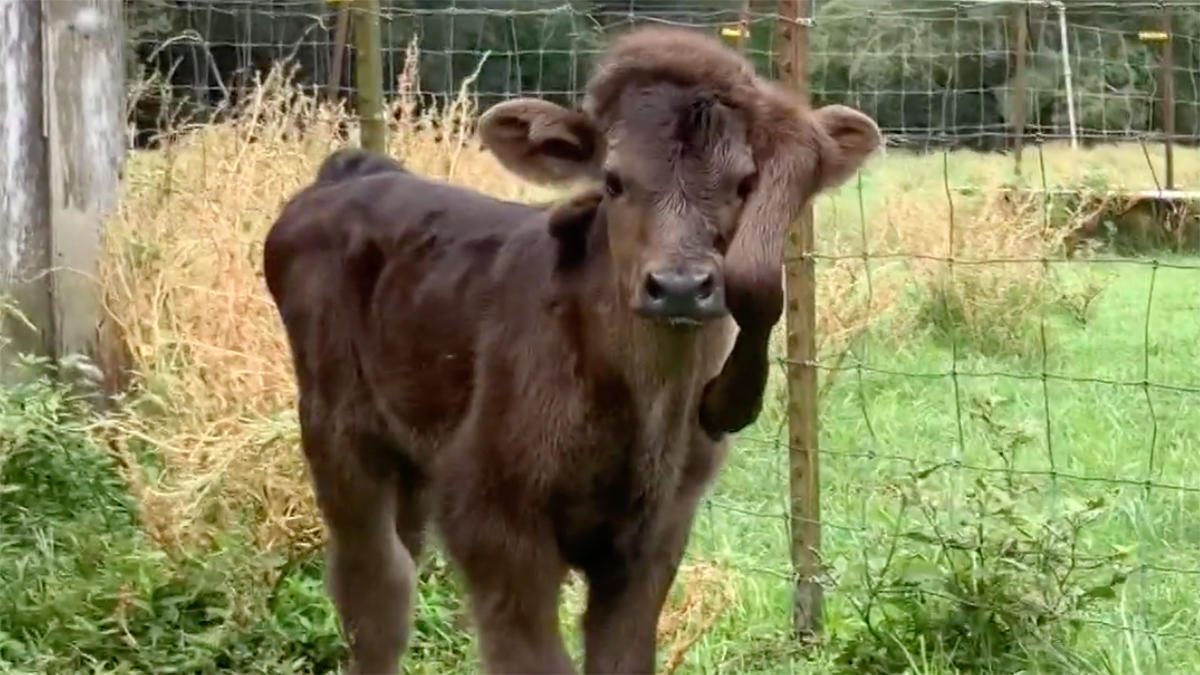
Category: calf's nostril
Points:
column 654, row 289
column 705, row 289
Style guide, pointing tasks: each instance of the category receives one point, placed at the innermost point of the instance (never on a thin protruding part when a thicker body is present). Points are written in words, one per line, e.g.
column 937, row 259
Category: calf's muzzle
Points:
column 683, row 294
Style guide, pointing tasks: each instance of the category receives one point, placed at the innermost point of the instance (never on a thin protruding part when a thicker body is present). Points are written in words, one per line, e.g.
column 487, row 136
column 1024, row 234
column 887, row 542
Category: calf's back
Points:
column 382, row 282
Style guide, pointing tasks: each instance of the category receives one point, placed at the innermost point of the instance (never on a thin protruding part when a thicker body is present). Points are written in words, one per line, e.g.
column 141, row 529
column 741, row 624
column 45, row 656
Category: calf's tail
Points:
column 354, row 163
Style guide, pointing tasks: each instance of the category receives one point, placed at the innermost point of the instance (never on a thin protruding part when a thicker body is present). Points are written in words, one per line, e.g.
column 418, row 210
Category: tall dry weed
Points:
column 209, row 437
column 962, row 231
column 880, row 249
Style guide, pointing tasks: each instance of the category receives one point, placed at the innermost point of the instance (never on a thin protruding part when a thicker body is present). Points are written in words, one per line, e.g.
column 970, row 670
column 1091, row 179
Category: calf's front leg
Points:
column 513, row 578
column 516, row 610
column 626, row 598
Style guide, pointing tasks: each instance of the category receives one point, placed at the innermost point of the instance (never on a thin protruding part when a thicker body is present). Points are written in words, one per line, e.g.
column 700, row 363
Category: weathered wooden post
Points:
column 341, row 32
column 801, row 318
column 62, row 126
column 368, row 74
column 24, row 220
column 85, row 116
column 1166, row 81
column 1019, row 106
column 1167, row 73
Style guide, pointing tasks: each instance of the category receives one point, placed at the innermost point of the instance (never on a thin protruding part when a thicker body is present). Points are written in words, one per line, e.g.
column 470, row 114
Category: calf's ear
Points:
column 541, row 141
column 848, row 137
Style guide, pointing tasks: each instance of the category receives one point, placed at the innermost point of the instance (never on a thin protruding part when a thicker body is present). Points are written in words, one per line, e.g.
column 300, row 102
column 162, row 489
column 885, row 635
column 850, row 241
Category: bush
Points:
column 990, row 312
column 1000, row 586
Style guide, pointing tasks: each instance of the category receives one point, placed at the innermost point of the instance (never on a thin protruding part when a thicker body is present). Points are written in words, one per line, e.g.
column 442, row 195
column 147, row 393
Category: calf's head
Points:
column 702, row 166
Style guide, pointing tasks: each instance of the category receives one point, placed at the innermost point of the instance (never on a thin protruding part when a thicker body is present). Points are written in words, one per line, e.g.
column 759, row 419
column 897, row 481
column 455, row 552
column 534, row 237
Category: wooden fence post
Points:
column 85, row 118
column 800, row 316
column 340, row 34
column 24, row 221
column 368, row 75
column 1167, row 75
column 60, row 178
column 1017, row 100
column 743, row 25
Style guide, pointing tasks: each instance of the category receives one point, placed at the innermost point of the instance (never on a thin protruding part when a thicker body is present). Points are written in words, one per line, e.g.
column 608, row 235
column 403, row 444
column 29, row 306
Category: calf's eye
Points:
column 612, row 184
column 720, row 242
column 747, row 185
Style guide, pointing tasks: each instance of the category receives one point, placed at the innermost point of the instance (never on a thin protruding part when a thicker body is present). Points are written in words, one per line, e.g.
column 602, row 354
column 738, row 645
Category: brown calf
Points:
column 550, row 386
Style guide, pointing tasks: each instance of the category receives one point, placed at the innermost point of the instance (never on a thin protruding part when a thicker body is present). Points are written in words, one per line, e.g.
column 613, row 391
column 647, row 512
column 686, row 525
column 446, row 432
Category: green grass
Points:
column 83, row 590
column 1070, row 437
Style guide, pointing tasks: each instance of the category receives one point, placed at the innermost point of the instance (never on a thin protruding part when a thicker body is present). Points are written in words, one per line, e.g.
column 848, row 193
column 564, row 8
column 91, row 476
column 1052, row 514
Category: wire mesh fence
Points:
column 933, row 72
column 1007, row 347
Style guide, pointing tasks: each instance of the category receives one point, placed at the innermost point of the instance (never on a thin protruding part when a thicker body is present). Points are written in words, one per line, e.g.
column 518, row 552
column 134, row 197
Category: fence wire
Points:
column 932, row 73
column 1008, row 352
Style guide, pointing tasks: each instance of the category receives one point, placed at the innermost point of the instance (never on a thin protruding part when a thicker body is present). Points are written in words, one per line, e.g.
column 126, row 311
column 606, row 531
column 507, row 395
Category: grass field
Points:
column 1007, row 446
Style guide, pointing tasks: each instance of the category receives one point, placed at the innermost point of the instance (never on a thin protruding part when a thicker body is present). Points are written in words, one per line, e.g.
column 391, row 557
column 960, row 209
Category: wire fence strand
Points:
column 997, row 342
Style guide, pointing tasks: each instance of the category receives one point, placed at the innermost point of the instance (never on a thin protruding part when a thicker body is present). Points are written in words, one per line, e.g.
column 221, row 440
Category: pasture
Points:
column 1007, row 439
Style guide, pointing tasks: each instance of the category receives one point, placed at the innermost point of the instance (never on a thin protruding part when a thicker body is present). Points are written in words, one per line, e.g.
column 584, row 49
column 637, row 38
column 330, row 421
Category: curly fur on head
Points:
column 657, row 54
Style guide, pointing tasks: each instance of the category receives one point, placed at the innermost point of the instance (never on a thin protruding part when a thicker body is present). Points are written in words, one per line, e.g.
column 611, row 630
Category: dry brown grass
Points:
column 183, row 282
column 210, row 437
column 700, row 597
column 913, row 212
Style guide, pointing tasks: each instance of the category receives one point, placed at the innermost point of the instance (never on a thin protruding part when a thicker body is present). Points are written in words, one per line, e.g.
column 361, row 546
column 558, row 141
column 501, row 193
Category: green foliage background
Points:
column 922, row 68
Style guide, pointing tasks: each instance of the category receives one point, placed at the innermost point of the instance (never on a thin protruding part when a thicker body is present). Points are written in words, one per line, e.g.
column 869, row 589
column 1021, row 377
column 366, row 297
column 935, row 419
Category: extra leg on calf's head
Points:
column 733, row 399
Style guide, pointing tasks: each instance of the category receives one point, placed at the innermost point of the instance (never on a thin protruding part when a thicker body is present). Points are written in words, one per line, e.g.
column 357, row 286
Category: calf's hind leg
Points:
column 370, row 573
